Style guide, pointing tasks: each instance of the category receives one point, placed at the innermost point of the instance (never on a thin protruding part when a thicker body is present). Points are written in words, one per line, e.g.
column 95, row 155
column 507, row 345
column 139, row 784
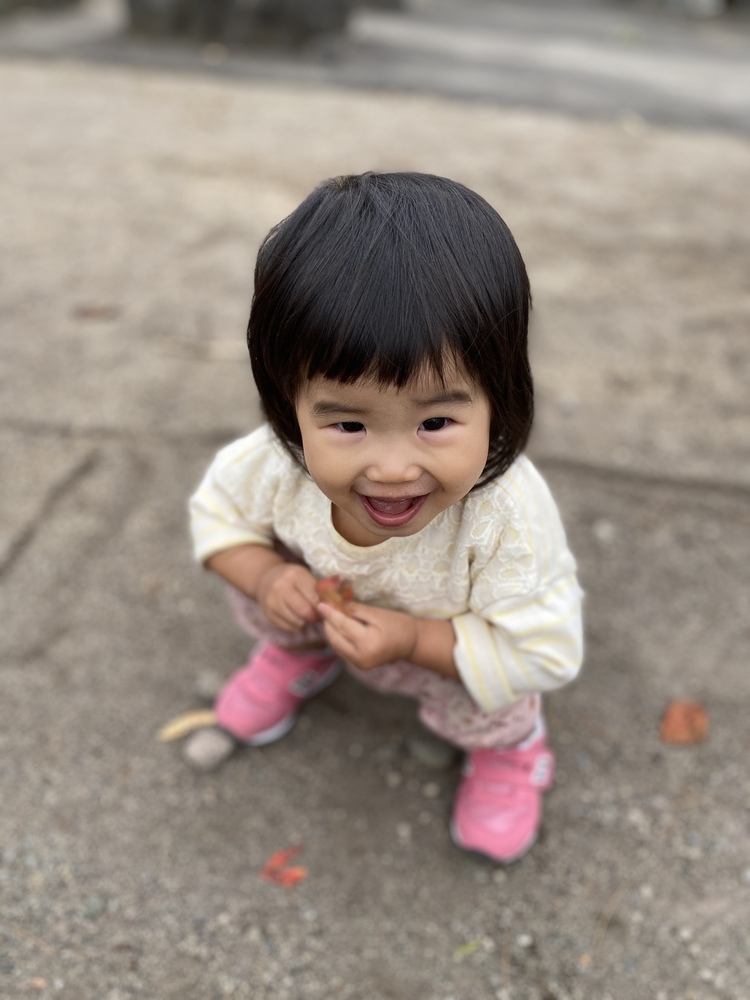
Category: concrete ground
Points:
column 133, row 202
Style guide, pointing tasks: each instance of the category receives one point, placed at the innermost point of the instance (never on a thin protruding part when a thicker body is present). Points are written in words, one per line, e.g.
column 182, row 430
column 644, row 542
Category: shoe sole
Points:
column 455, row 837
column 282, row 727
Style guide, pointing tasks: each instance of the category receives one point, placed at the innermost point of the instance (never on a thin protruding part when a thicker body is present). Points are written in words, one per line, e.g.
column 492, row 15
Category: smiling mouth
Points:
column 392, row 513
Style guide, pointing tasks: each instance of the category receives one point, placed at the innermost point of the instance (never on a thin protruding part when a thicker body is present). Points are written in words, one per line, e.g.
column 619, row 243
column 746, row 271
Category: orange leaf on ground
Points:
column 684, row 722
column 288, row 877
column 281, row 858
column 277, row 869
column 335, row 591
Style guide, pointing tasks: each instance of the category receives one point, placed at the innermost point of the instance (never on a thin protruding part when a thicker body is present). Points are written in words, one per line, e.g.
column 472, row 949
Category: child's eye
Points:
column 435, row 423
column 350, row 426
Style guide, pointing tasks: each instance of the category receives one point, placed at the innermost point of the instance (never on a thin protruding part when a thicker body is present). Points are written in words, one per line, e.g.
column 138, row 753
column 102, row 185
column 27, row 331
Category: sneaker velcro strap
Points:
column 513, row 769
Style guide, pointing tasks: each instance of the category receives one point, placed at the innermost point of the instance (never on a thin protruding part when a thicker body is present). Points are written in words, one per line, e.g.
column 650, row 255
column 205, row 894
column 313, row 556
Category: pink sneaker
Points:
column 498, row 808
column 259, row 703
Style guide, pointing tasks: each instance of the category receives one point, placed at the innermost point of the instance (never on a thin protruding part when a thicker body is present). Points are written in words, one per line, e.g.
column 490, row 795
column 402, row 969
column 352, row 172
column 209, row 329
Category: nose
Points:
column 391, row 463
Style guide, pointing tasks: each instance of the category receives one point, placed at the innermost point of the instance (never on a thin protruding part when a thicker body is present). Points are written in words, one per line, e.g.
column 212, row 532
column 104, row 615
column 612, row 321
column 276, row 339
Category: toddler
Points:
column 388, row 340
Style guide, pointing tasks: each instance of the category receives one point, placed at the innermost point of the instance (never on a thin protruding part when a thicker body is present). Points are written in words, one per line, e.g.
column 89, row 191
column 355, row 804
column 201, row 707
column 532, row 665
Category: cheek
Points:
column 476, row 459
column 326, row 465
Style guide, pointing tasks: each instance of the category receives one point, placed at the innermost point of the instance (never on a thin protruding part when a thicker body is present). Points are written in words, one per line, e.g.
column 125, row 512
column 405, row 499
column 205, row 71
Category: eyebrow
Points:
column 450, row 396
column 327, row 408
column 454, row 397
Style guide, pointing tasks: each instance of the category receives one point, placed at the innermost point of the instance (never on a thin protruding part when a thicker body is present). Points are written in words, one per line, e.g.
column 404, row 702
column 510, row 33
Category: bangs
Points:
column 385, row 319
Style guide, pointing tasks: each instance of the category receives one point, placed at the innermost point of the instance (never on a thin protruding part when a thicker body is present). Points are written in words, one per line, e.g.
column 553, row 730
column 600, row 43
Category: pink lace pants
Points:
column 444, row 704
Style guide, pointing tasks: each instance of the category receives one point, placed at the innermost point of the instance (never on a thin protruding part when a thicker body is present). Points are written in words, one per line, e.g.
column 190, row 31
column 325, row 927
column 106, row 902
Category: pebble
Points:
column 431, row 790
column 432, row 752
column 404, row 832
column 604, row 531
column 207, row 686
column 207, row 749
column 94, row 907
column 746, row 877
column 525, row 941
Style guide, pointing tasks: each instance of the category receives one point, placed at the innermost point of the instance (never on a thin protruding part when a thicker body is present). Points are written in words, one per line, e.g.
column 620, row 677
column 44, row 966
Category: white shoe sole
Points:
column 455, row 837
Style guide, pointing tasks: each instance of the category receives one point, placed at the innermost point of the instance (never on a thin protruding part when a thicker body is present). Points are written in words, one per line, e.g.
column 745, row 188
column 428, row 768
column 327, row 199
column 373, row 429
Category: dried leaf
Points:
column 336, row 591
column 467, row 949
column 188, row 722
column 277, row 869
column 288, row 877
column 281, row 858
column 96, row 311
column 684, row 722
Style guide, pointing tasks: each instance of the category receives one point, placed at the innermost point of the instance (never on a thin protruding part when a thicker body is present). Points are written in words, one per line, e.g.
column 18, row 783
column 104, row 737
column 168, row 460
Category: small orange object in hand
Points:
column 336, row 591
column 684, row 722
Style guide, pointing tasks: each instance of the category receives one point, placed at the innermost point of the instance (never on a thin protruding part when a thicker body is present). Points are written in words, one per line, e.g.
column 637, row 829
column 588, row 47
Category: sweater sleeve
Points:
column 526, row 638
column 233, row 504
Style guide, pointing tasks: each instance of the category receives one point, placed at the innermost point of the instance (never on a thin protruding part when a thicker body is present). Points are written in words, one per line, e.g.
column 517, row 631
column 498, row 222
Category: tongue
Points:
column 390, row 506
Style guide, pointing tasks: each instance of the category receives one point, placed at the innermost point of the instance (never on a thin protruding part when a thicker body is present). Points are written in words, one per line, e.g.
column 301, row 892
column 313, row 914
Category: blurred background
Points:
column 146, row 149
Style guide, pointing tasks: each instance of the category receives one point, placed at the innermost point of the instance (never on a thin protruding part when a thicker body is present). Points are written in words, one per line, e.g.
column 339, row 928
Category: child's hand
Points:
column 369, row 637
column 286, row 594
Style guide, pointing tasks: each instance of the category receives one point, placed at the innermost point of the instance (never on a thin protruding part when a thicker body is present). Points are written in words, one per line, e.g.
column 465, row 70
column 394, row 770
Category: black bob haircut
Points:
column 378, row 275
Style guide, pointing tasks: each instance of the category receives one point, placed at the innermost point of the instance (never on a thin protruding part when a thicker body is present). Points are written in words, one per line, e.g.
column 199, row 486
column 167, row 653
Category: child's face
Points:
column 390, row 460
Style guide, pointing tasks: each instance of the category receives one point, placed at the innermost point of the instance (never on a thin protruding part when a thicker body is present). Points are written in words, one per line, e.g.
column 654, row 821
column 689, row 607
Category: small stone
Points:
column 207, row 686
column 393, row 779
column 207, row 749
column 499, row 877
column 745, row 877
column 94, row 907
column 707, row 975
column 525, row 941
column 432, row 752
column 604, row 531
column 404, row 832
column 431, row 790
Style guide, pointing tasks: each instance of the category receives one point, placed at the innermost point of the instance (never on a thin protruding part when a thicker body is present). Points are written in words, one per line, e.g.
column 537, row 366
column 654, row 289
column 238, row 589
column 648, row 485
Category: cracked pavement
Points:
column 135, row 200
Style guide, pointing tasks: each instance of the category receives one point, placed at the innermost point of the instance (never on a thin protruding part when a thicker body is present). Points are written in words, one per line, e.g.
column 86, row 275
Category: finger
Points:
column 340, row 643
column 339, row 621
column 302, row 608
column 308, row 591
column 342, row 618
column 285, row 618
